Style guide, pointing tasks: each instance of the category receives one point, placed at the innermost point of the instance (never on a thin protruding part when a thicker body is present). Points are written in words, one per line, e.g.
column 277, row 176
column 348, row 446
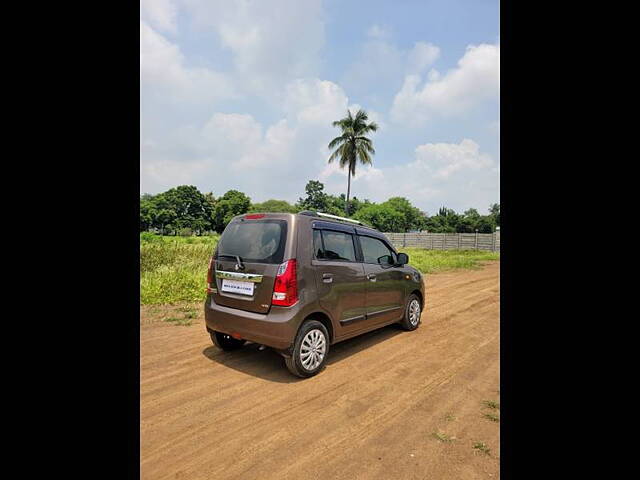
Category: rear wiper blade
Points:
column 237, row 259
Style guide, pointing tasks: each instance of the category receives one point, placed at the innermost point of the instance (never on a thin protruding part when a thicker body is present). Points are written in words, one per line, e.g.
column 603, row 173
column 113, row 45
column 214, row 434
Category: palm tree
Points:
column 353, row 145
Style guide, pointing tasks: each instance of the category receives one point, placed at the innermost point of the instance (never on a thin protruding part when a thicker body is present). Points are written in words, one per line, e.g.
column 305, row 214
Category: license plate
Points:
column 235, row 286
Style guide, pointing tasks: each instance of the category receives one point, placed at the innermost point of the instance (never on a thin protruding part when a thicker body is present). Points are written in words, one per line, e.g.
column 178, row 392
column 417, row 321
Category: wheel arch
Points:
column 324, row 319
column 418, row 294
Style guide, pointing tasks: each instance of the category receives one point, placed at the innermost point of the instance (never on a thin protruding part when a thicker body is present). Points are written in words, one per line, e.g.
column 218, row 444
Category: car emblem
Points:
column 237, row 267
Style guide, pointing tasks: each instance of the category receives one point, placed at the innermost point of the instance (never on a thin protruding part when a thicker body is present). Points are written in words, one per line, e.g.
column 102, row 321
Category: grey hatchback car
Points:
column 299, row 283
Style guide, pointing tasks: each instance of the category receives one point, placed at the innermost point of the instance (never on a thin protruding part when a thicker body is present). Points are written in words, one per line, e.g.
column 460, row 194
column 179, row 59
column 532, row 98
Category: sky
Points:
column 241, row 95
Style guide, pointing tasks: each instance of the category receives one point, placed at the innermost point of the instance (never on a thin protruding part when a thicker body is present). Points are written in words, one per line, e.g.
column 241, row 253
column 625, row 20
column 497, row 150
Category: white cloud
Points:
column 381, row 64
column 271, row 41
column 232, row 150
column 315, row 101
column 459, row 175
column 421, row 56
column 228, row 136
column 445, row 159
column 163, row 73
column 476, row 78
column 205, row 127
column 159, row 13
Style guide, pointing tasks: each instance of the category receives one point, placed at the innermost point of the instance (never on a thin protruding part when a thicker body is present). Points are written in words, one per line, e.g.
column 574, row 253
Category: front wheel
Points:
column 310, row 350
column 412, row 313
column 226, row 342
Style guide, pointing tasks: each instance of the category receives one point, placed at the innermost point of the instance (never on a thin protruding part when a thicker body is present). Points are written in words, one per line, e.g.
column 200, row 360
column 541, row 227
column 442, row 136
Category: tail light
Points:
column 210, row 276
column 285, row 288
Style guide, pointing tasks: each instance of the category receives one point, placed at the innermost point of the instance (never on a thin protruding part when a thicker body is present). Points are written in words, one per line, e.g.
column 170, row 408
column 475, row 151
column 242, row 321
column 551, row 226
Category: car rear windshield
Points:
column 254, row 241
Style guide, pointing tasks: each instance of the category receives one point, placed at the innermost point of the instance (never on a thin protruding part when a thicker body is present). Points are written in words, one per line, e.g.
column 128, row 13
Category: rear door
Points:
column 340, row 279
column 246, row 262
column 385, row 283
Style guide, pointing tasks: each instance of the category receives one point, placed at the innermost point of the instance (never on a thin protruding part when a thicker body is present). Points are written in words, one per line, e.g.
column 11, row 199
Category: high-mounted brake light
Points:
column 285, row 288
column 254, row 216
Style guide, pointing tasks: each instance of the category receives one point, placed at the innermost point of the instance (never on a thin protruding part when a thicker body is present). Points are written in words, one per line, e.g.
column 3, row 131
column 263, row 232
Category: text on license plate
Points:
column 235, row 286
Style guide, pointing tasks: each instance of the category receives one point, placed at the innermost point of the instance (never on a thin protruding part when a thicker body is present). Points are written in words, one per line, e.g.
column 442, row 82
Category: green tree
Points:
column 147, row 212
column 472, row 214
column 469, row 221
column 190, row 207
column 316, row 199
column 228, row 206
column 466, row 225
column 494, row 211
column 337, row 205
column 165, row 220
column 353, row 145
column 412, row 216
column 382, row 217
column 486, row 224
column 446, row 221
column 273, row 206
column 354, row 204
column 211, row 208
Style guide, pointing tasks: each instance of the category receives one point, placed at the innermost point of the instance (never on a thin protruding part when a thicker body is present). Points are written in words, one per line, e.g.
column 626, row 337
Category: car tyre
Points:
column 412, row 313
column 310, row 350
column 226, row 342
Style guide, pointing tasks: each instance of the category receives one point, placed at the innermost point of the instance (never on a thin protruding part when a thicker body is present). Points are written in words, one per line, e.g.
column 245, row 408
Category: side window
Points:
column 318, row 251
column 375, row 251
column 337, row 246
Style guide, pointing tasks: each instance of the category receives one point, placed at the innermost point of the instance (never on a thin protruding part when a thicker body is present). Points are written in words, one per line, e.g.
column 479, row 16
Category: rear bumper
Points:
column 276, row 329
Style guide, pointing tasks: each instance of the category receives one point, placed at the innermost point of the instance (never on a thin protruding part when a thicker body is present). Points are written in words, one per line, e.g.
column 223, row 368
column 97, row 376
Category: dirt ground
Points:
column 375, row 412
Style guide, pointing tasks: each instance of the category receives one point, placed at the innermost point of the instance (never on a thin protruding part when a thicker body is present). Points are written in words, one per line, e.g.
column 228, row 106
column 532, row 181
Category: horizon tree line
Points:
column 184, row 210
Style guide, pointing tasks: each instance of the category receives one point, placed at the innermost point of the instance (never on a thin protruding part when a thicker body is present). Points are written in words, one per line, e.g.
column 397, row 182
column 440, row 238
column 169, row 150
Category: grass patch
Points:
column 448, row 417
column 491, row 404
column 482, row 447
column 174, row 271
column 146, row 237
column 492, row 417
column 443, row 437
column 430, row 261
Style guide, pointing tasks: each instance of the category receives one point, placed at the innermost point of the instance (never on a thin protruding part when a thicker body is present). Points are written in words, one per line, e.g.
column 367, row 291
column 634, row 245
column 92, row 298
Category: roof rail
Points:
column 312, row 213
column 343, row 219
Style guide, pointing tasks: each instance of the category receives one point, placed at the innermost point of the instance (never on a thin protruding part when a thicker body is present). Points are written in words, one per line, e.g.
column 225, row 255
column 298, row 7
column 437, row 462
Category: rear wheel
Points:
column 412, row 313
column 310, row 350
column 226, row 342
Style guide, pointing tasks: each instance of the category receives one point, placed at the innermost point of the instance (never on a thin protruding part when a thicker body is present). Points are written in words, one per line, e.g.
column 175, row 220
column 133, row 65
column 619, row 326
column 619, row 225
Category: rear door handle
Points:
column 327, row 277
column 371, row 277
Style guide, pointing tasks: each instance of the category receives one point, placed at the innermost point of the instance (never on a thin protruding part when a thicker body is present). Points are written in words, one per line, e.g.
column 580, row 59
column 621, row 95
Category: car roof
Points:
column 320, row 222
column 324, row 223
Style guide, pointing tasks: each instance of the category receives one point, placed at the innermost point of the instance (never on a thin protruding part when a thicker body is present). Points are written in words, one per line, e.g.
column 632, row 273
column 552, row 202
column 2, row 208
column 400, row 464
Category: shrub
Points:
column 148, row 237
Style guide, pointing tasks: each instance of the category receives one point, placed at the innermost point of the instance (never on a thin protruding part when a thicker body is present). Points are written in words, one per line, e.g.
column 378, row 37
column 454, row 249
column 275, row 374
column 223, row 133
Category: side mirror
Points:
column 403, row 258
column 385, row 260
